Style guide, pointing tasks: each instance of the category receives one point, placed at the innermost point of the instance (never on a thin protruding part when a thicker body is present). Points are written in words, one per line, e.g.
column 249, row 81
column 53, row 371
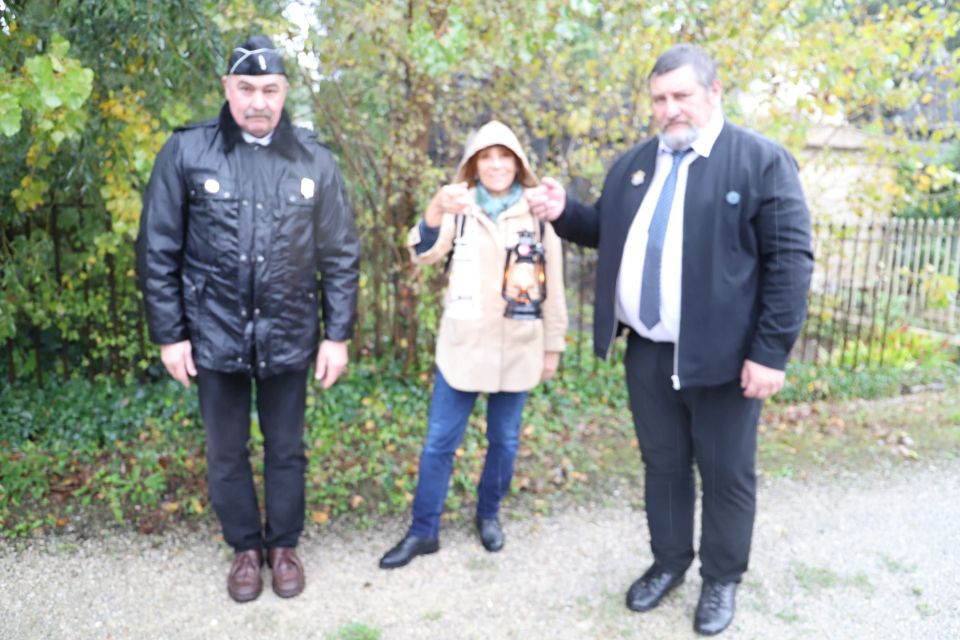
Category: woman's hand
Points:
column 551, row 359
column 451, row 198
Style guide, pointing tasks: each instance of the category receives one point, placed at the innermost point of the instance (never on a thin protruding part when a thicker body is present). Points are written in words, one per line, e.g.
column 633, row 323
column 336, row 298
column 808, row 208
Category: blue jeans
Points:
column 449, row 412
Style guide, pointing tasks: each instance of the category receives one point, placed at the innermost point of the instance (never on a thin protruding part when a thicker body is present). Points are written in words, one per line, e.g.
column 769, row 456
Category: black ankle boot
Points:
column 491, row 533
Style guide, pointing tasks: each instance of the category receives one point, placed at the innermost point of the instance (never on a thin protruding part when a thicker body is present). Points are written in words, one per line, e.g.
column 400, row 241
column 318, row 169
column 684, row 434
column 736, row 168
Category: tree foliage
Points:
column 399, row 85
column 90, row 91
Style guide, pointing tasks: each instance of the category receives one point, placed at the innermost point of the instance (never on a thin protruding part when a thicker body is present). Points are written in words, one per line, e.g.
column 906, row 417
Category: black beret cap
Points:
column 255, row 57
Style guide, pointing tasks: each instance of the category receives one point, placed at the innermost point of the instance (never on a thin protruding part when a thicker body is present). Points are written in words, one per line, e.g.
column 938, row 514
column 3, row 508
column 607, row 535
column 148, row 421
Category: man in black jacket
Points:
column 245, row 235
column 704, row 256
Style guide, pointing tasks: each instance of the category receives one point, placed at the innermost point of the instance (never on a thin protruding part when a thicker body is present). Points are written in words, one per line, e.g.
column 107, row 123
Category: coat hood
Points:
column 490, row 134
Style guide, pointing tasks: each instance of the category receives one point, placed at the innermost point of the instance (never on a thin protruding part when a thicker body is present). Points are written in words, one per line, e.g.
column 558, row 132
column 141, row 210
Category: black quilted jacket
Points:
column 241, row 247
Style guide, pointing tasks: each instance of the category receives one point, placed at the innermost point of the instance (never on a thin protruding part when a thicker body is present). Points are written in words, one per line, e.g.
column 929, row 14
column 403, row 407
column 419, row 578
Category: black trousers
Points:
column 716, row 427
column 225, row 410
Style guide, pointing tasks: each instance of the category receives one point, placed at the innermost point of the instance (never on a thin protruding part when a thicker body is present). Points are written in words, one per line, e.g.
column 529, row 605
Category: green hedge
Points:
column 137, row 451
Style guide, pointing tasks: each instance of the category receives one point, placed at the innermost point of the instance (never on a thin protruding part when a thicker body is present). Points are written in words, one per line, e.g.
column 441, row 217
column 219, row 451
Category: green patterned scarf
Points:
column 493, row 205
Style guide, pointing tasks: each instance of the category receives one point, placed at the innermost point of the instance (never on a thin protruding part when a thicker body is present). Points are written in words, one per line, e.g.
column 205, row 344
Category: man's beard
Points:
column 680, row 140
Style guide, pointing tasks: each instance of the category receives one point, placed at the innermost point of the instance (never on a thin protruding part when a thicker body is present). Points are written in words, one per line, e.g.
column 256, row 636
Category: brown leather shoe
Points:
column 244, row 582
column 288, row 580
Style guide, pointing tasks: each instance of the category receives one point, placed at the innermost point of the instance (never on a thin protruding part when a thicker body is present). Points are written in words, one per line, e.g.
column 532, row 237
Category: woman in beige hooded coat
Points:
column 479, row 217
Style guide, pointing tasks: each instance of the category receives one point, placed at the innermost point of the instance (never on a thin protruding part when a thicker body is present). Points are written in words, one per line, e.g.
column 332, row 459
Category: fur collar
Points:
column 284, row 138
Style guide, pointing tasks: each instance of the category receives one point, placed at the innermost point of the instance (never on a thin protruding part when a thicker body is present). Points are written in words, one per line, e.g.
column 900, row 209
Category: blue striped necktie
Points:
column 650, row 284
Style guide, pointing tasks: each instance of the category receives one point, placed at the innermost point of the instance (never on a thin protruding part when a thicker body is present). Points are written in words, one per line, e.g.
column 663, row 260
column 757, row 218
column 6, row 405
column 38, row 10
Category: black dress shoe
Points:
column 715, row 608
column 408, row 549
column 651, row 587
column 491, row 534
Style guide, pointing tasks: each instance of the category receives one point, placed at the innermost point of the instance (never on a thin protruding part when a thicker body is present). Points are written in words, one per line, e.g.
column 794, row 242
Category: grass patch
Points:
column 796, row 439
column 789, row 617
column 894, row 565
column 479, row 563
column 355, row 631
column 814, row 580
column 807, row 383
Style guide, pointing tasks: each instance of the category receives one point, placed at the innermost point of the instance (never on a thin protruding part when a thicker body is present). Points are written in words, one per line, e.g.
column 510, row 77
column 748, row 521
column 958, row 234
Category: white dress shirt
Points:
column 629, row 282
column 249, row 138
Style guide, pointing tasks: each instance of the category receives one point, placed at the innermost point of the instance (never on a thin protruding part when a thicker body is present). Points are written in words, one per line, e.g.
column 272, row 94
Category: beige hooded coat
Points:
column 478, row 349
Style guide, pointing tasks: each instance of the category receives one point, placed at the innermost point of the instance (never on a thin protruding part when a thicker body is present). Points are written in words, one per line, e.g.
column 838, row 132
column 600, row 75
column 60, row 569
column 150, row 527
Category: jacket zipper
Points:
column 675, row 378
column 613, row 330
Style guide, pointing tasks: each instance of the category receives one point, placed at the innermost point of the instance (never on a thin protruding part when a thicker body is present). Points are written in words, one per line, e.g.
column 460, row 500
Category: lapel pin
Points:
column 306, row 188
column 637, row 178
column 733, row 197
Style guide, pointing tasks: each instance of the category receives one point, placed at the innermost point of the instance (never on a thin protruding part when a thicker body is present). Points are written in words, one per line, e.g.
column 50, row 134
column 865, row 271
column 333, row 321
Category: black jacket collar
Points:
column 284, row 138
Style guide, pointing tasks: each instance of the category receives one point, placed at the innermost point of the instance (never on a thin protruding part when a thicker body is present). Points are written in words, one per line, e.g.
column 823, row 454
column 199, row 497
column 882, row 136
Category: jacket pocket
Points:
column 295, row 327
column 523, row 334
column 194, row 285
column 293, row 220
column 302, row 318
column 457, row 331
column 298, row 192
column 214, row 213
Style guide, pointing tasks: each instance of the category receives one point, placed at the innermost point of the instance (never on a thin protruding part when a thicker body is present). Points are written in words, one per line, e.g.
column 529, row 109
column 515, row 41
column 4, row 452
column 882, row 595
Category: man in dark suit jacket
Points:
column 704, row 256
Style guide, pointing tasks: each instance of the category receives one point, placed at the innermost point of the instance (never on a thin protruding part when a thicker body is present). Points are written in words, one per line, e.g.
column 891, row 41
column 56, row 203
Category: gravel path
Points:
column 873, row 556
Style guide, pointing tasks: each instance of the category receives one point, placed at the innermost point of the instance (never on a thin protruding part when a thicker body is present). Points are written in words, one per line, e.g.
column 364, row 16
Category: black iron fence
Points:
column 871, row 278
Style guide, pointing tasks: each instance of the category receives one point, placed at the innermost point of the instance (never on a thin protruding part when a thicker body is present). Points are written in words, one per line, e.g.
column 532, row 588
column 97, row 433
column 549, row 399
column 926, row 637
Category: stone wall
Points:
column 846, row 175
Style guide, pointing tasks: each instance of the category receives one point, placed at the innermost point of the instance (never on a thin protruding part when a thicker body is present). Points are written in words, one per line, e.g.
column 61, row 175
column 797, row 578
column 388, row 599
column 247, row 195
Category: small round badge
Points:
column 733, row 197
column 211, row 186
column 307, row 187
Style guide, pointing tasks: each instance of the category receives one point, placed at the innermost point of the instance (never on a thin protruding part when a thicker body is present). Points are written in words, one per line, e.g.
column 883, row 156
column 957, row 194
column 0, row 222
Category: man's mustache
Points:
column 258, row 113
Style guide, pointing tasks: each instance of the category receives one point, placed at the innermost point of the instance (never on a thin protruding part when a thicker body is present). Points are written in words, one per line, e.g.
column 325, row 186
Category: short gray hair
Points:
column 686, row 54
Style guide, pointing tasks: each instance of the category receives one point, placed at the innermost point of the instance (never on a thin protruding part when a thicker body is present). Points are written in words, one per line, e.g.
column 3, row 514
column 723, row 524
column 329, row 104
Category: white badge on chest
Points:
column 306, row 187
